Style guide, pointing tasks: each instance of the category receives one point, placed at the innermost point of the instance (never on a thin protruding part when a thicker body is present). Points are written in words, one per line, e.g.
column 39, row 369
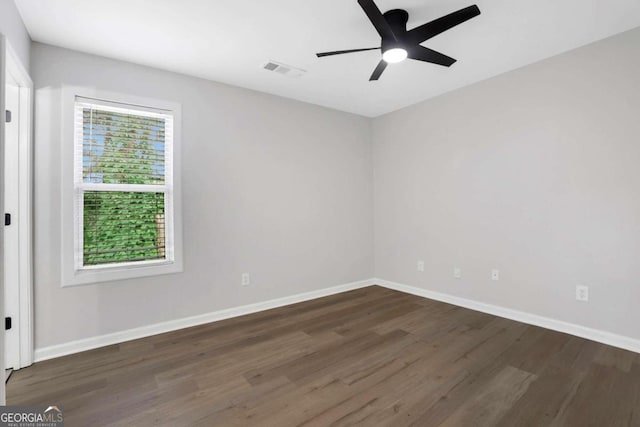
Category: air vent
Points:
column 270, row 66
column 285, row 70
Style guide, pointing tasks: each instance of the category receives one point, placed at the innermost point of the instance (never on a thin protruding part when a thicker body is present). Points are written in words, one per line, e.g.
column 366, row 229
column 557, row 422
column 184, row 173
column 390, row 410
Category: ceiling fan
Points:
column 399, row 44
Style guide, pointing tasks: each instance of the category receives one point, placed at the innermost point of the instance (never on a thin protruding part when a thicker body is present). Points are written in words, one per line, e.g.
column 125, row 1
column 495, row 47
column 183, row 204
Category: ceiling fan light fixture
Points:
column 394, row 55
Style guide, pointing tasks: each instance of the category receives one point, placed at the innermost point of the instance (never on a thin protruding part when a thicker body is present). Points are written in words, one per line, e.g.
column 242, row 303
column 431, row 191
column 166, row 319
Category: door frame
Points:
column 3, row 399
column 16, row 72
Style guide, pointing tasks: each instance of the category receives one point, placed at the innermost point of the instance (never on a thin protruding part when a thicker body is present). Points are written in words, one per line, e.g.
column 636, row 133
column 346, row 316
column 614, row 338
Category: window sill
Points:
column 100, row 274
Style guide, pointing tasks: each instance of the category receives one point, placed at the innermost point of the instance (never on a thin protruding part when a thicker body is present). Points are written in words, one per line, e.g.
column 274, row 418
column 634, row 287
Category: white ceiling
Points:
column 227, row 41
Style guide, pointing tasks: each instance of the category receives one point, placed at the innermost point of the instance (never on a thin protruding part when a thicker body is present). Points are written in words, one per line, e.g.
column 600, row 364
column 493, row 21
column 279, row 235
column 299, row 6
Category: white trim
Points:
column 187, row 322
column 119, row 107
column 135, row 264
column 3, row 49
column 71, row 276
column 25, row 219
column 600, row 336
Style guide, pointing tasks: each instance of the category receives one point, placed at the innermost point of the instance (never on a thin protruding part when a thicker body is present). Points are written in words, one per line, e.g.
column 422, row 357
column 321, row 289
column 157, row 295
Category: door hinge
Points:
column 7, row 116
column 7, row 219
column 7, row 323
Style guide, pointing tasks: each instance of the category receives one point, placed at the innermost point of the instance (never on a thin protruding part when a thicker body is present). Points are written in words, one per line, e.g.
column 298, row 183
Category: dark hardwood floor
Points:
column 371, row 356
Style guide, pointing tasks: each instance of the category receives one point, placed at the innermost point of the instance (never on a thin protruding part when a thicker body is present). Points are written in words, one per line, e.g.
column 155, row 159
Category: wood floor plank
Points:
column 371, row 357
column 489, row 406
column 606, row 396
column 544, row 400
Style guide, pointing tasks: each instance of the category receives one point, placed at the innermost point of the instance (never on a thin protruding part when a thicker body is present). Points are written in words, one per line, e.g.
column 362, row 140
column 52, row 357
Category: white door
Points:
column 11, row 237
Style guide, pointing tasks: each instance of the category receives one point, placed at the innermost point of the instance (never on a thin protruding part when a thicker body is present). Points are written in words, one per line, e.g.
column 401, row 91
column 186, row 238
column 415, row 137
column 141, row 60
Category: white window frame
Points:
column 73, row 271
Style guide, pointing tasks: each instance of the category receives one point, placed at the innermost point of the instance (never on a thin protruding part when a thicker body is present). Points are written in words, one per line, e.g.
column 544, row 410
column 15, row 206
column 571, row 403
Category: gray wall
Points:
column 13, row 29
column 274, row 187
column 535, row 172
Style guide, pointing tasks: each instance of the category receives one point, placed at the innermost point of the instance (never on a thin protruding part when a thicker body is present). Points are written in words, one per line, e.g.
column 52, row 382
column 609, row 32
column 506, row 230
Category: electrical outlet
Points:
column 457, row 273
column 495, row 274
column 582, row 293
column 246, row 279
column 421, row 266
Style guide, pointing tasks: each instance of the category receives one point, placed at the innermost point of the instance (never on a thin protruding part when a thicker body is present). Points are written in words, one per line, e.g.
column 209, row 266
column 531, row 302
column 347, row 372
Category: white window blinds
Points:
column 123, row 184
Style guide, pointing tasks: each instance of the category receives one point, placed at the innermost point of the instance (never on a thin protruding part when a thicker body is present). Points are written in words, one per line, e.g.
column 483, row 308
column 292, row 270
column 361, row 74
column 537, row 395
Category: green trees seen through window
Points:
column 129, row 150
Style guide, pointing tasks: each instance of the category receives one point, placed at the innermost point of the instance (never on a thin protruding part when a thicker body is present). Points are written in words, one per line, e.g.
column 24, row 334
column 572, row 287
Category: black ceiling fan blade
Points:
column 440, row 25
column 378, row 71
column 376, row 18
column 425, row 54
column 340, row 52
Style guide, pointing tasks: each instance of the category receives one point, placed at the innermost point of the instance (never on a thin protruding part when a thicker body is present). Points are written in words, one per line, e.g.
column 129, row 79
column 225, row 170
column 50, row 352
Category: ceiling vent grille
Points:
column 284, row 69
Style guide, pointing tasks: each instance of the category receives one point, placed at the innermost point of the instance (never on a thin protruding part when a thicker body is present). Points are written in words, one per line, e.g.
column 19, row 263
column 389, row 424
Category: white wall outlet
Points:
column 421, row 266
column 582, row 293
column 246, row 279
column 457, row 273
column 495, row 274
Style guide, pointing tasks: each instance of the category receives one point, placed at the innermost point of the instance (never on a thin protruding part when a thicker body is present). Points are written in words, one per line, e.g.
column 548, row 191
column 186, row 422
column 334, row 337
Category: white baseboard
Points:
column 604, row 337
column 172, row 325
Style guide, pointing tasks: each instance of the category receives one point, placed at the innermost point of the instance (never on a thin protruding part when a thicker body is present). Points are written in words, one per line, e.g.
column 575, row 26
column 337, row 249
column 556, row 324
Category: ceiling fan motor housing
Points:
column 397, row 20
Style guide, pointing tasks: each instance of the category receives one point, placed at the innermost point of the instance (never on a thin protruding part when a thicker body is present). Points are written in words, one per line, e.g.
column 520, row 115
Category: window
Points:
column 123, row 191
